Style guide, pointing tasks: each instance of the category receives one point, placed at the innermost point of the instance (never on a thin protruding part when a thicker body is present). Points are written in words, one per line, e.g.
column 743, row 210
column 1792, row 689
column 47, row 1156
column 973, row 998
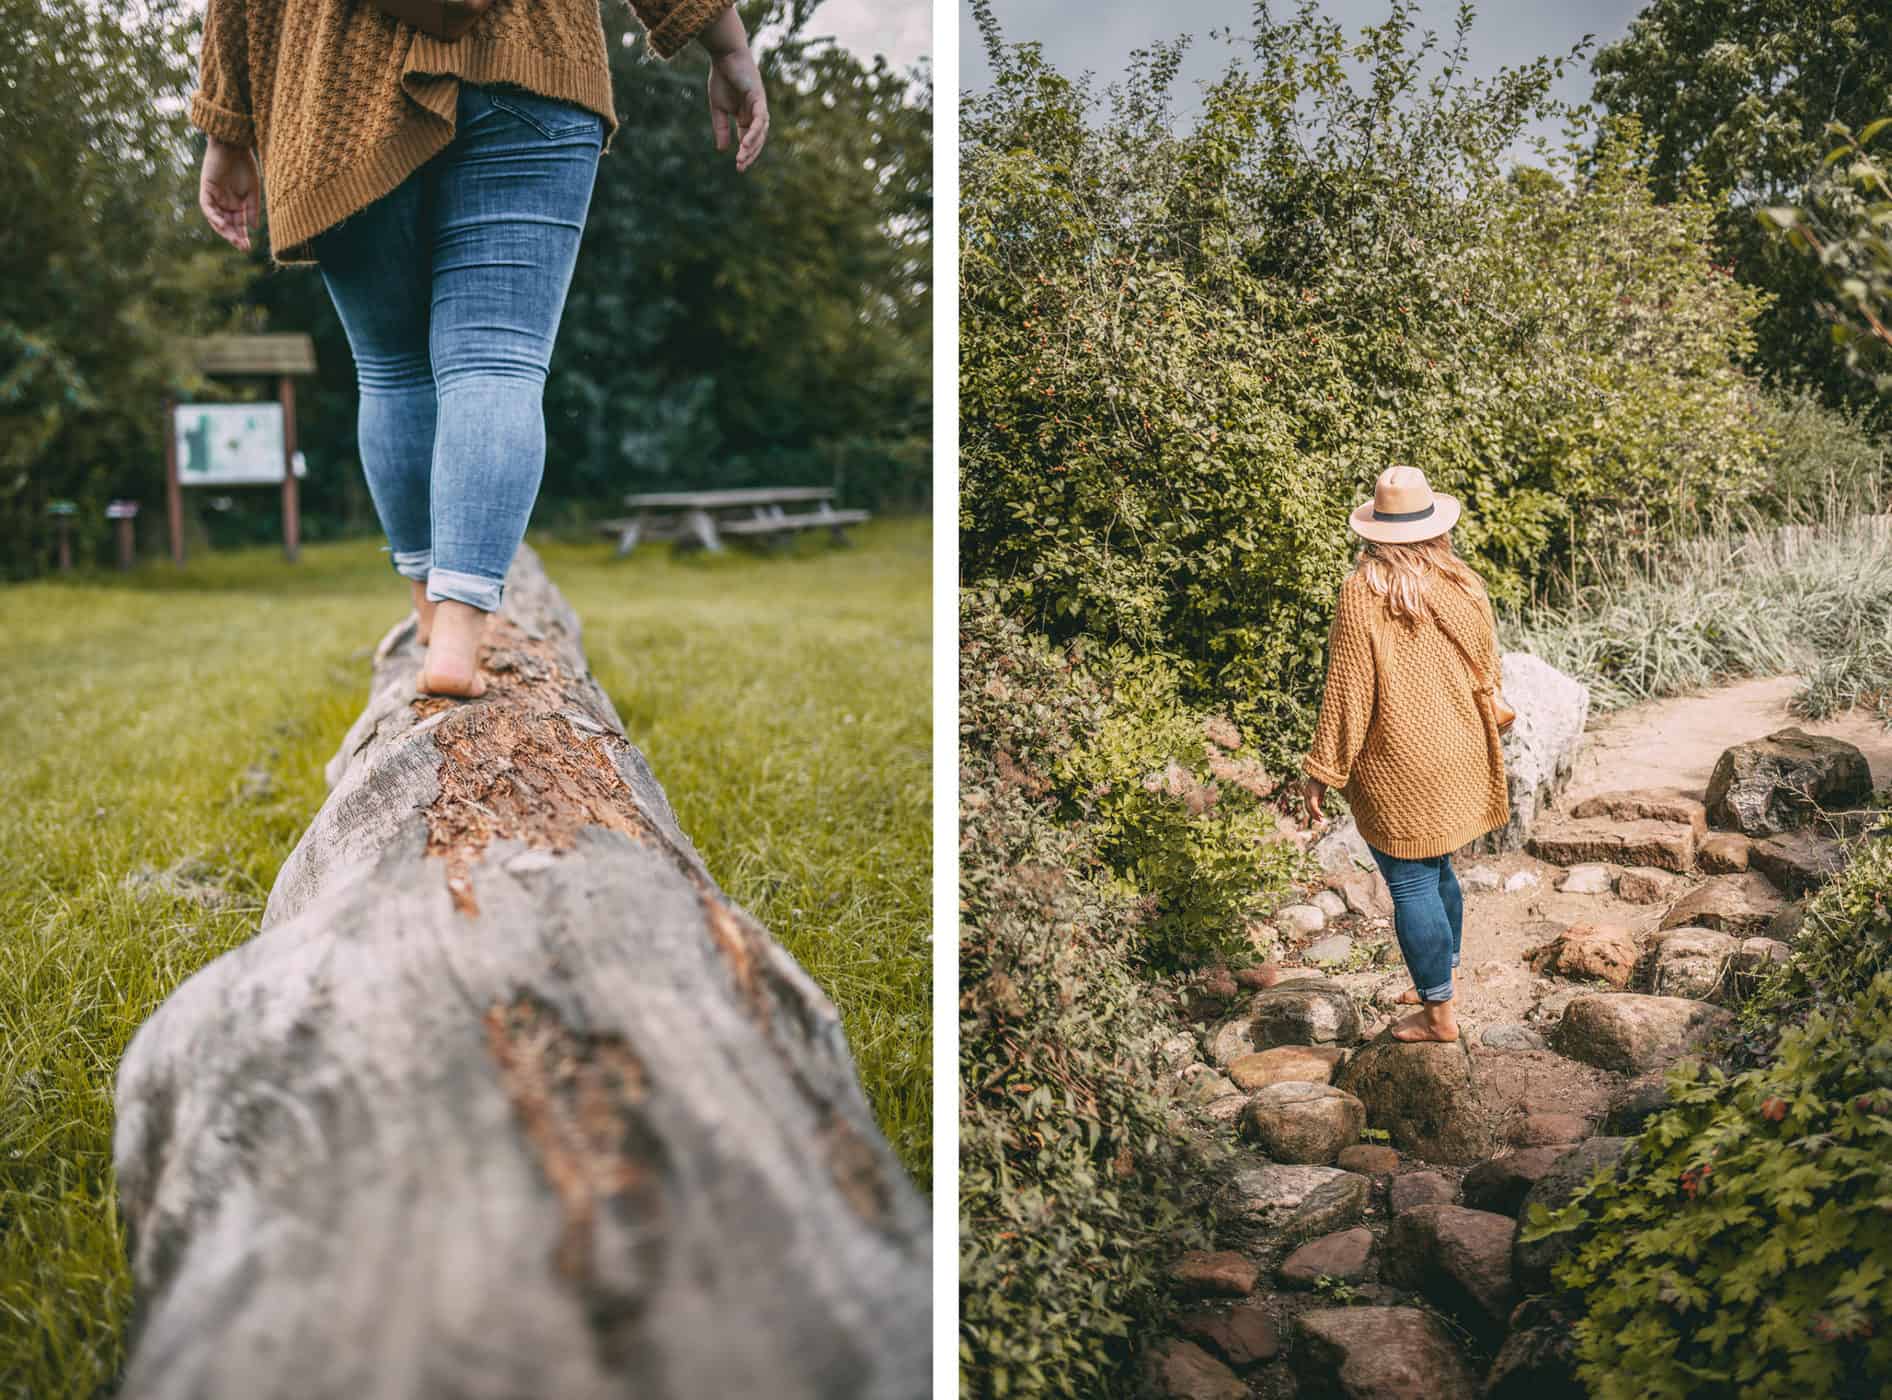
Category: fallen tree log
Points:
column 506, row 1098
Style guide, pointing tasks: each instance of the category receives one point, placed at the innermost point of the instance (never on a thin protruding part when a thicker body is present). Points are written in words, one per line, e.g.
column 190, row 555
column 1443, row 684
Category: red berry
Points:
column 1774, row 1110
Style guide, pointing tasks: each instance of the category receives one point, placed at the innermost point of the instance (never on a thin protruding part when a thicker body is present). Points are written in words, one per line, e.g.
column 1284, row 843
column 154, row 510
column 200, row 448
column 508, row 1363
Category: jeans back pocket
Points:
column 551, row 117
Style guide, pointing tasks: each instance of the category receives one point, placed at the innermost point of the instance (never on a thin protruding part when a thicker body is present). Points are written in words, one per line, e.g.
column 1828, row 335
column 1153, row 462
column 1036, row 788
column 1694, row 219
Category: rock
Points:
column 1591, row 952
column 1217, row 985
column 1605, row 840
column 1368, row 1158
column 1300, row 919
column 1646, row 886
column 1365, row 893
column 1280, row 1202
column 1258, row 978
column 1226, row 1109
column 1306, row 1064
column 1509, row 1035
column 1182, row 1370
column 1335, row 947
column 1460, row 1259
column 1693, row 962
column 1743, row 904
column 1342, row 849
column 1306, row 1012
column 1723, row 853
column 1263, row 939
column 1219, row 1273
column 1228, row 1042
column 1342, row 1256
column 1541, row 747
column 1443, row 1103
column 1586, row 879
column 1380, row 1354
column 1635, row 1102
column 1646, row 804
column 1774, row 784
column 1756, row 956
column 1242, row 1336
column 1208, row 1086
column 1479, row 879
column 1799, row 861
column 1630, row 1033
column 1416, row 1189
column 1303, row 1123
column 1532, row 1262
column 1521, row 880
column 1499, row 1184
column 1329, row 903
column 1538, row 1360
column 1177, row 1051
column 1785, row 925
column 1549, row 1130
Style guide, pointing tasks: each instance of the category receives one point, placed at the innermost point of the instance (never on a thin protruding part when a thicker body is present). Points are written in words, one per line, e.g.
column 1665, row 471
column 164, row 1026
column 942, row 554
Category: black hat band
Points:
column 1398, row 515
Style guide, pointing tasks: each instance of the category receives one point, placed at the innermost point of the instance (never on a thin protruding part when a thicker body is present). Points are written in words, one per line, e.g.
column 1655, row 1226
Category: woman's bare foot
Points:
column 424, row 610
column 1409, row 997
column 453, row 656
column 1434, row 1021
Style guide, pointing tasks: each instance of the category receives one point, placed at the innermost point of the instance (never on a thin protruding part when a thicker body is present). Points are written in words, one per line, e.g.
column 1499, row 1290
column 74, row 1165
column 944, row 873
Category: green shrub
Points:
column 1744, row 1248
column 1073, row 1173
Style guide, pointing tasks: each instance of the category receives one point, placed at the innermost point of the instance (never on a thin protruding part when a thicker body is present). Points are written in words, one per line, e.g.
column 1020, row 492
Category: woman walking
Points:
column 441, row 186
column 1408, row 728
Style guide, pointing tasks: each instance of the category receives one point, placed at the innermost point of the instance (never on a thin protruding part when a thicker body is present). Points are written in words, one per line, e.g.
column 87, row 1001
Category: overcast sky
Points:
column 901, row 29
column 1099, row 36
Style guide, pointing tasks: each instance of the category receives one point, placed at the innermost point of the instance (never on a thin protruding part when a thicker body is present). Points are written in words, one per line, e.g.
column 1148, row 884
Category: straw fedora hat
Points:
column 1404, row 509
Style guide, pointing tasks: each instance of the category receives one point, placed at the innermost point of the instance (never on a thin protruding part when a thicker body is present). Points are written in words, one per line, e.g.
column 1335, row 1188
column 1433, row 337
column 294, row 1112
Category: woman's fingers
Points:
column 719, row 126
column 755, row 129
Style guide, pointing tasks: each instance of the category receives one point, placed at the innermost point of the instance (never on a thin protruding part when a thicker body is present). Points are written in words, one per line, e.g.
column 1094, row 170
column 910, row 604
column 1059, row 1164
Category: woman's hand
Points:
column 1312, row 791
column 229, row 191
column 736, row 99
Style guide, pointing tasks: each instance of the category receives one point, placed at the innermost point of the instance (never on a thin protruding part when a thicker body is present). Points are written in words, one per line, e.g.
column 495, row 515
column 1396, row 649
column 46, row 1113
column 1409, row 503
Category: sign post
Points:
column 63, row 511
column 122, row 514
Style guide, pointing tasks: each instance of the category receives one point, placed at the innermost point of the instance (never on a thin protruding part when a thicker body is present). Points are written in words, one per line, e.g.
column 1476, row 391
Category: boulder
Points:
column 1221, row 1273
column 1368, row 1158
column 1206, row 1086
column 1785, row 925
column 1182, row 1370
column 1303, row 1123
column 1644, row 885
column 1541, row 746
column 1635, row 1102
column 1629, row 1033
column 1538, row 1360
column 1243, row 1336
column 1226, row 1109
column 1275, row 1202
column 1342, row 848
column 1258, row 978
column 1498, row 1184
column 1460, row 1259
column 1230, row 1041
column 1798, row 861
column 1548, row 1130
column 1306, row 1064
column 1451, row 1104
column 1334, row 948
column 1380, row 1354
column 1521, row 880
column 1509, row 1035
column 1310, row 1011
column 1329, row 903
column 1646, row 805
column 1693, row 962
column 1366, row 894
column 1754, row 959
column 1532, row 1262
column 1743, row 904
column 1415, row 1189
column 1723, row 853
column 1774, row 784
column 1479, row 879
column 1342, row 1255
column 1300, row 919
column 1605, row 840
column 1592, row 953
column 1585, row 879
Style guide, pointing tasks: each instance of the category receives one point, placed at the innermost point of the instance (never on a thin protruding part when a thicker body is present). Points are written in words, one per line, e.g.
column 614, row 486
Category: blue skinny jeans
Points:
column 450, row 288
column 1428, row 918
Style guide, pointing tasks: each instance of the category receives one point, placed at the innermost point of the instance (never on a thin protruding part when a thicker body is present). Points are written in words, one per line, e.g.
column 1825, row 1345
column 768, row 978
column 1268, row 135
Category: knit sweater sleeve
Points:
column 671, row 24
column 1346, row 707
column 221, row 105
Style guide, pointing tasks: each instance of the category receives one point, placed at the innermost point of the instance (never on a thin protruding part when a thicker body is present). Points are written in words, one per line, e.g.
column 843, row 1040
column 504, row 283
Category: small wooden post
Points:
column 62, row 512
column 173, row 491
column 122, row 514
column 291, row 497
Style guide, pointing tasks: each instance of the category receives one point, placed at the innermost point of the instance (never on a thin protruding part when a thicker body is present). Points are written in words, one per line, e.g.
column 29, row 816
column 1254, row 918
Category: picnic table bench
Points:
column 704, row 517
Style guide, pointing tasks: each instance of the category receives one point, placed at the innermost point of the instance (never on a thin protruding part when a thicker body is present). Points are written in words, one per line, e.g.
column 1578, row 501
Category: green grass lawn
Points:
column 178, row 722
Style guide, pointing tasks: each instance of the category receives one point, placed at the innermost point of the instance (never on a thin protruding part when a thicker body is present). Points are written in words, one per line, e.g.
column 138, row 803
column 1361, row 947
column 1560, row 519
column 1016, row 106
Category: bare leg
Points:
column 1434, row 1021
column 423, row 609
column 453, row 655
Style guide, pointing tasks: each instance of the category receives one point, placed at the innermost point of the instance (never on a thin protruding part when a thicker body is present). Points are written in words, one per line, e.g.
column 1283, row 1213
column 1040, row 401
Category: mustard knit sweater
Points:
column 342, row 101
column 1401, row 731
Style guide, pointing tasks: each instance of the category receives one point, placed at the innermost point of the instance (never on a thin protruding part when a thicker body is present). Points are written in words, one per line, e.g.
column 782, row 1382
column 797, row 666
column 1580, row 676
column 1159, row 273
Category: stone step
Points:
column 1648, row 804
column 1665, row 845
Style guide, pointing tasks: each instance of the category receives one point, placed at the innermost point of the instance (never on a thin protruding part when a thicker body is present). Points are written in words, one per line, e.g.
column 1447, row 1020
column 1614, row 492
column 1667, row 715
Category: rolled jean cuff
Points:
column 1442, row 992
column 413, row 563
column 444, row 585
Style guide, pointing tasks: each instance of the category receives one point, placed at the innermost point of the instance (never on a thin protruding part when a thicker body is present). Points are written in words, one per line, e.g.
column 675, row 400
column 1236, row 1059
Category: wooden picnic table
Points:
column 705, row 517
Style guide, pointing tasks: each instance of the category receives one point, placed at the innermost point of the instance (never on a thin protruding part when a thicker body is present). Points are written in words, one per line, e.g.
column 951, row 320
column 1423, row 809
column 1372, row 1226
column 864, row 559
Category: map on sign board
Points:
column 229, row 444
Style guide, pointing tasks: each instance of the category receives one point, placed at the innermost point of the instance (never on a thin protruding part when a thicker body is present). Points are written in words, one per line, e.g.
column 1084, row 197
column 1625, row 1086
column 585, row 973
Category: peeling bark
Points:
column 506, row 1098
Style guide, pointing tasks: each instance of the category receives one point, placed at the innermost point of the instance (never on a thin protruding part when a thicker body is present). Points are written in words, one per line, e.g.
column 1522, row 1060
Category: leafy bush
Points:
column 1744, row 1248
column 1072, row 1170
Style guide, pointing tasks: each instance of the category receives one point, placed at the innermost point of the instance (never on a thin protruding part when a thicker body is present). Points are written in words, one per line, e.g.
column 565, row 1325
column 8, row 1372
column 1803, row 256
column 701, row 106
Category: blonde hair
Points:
column 1402, row 574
